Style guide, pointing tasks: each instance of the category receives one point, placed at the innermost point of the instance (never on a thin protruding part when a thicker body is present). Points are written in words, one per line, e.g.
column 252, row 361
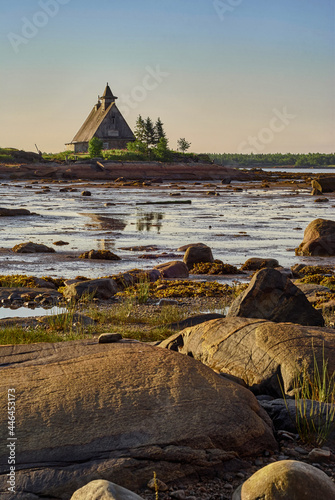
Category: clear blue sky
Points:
column 230, row 75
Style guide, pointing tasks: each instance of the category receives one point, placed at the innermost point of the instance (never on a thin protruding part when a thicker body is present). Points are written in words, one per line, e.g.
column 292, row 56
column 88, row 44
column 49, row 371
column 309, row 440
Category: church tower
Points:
column 105, row 122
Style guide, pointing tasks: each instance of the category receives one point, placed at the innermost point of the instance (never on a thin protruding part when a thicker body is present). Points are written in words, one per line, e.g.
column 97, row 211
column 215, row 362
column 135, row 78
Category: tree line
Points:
column 273, row 159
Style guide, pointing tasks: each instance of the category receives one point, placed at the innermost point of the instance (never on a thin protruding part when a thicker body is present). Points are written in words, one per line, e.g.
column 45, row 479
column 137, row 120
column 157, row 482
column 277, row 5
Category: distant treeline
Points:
column 273, row 159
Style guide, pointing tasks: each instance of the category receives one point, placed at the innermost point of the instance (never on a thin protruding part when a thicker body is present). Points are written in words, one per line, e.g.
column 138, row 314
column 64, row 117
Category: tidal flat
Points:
column 146, row 224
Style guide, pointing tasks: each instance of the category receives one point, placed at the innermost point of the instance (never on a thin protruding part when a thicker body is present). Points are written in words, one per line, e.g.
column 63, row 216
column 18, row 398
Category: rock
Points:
column 319, row 455
column 255, row 264
column 154, row 484
column 324, row 184
column 192, row 321
column 319, row 239
column 196, row 254
column 271, row 295
column 90, row 410
column 167, row 302
column 86, row 193
column 31, row 247
column 60, row 243
column 312, row 291
column 259, row 352
column 316, row 188
column 13, row 212
column 185, row 247
column 287, row 480
column 102, row 288
column 99, row 254
column 108, row 338
column 104, row 490
column 173, row 269
column 321, row 200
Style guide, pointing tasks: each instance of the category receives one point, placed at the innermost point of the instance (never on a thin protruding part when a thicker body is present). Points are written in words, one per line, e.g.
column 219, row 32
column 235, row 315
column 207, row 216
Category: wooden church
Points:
column 105, row 122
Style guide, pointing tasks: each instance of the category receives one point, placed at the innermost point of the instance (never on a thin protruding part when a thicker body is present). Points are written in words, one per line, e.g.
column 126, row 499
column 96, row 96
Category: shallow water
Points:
column 25, row 312
column 236, row 225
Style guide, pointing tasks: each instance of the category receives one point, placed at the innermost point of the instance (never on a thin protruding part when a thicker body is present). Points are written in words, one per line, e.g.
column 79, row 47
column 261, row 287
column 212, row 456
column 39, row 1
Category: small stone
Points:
column 157, row 483
column 301, row 450
column 240, row 475
column 178, row 495
column 258, row 462
column 86, row 193
column 319, row 455
column 109, row 338
column 228, row 486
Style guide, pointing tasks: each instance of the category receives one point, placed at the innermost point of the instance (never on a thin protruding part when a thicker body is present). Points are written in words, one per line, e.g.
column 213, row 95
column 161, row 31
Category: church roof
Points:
column 92, row 123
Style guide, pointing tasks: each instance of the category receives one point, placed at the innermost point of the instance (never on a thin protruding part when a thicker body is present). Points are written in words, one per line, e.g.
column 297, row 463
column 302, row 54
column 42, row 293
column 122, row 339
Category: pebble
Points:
column 301, row 450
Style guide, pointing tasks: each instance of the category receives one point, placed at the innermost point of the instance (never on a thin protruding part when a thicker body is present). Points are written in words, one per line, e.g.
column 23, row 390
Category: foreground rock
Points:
column 31, row 247
column 262, row 353
column 319, row 239
column 104, row 490
column 119, row 412
column 271, row 295
column 196, row 254
column 287, row 480
column 174, row 269
column 103, row 288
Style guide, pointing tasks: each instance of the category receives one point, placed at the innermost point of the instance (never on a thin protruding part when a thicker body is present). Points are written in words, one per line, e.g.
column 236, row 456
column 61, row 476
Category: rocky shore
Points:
column 208, row 407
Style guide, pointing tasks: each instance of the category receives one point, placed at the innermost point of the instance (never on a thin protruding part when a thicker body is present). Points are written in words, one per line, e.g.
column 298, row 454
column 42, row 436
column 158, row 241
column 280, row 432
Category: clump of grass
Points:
column 314, row 395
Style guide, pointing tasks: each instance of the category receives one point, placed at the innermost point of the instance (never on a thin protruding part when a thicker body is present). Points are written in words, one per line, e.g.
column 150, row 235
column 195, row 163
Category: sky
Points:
column 228, row 75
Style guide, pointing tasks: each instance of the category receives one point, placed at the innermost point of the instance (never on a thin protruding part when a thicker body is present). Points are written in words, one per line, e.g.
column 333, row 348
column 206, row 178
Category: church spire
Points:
column 107, row 97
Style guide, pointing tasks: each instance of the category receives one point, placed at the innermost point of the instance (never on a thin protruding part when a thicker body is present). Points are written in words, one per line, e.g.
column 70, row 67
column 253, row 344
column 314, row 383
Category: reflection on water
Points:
column 106, row 223
column 146, row 221
column 105, row 244
column 26, row 312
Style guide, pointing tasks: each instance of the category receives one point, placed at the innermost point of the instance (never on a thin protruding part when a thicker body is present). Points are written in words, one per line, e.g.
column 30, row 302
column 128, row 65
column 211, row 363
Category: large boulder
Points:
column 271, row 295
column 103, row 288
column 104, row 490
column 174, row 269
column 265, row 355
column 319, row 239
column 31, row 247
column 287, row 480
column 118, row 412
column 197, row 253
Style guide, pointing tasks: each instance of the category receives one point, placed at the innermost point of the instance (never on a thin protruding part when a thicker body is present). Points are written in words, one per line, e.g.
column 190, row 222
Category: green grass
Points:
column 20, row 335
column 314, row 418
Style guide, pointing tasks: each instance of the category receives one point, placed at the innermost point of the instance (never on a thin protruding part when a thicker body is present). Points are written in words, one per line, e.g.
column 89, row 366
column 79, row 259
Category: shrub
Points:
column 95, row 147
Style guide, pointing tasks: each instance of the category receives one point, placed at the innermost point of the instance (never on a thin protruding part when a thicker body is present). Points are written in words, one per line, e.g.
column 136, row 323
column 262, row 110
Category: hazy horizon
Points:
column 228, row 75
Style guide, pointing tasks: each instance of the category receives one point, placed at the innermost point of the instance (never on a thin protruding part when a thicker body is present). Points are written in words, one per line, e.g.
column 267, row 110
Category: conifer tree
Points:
column 140, row 129
column 159, row 131
column 149, row 132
